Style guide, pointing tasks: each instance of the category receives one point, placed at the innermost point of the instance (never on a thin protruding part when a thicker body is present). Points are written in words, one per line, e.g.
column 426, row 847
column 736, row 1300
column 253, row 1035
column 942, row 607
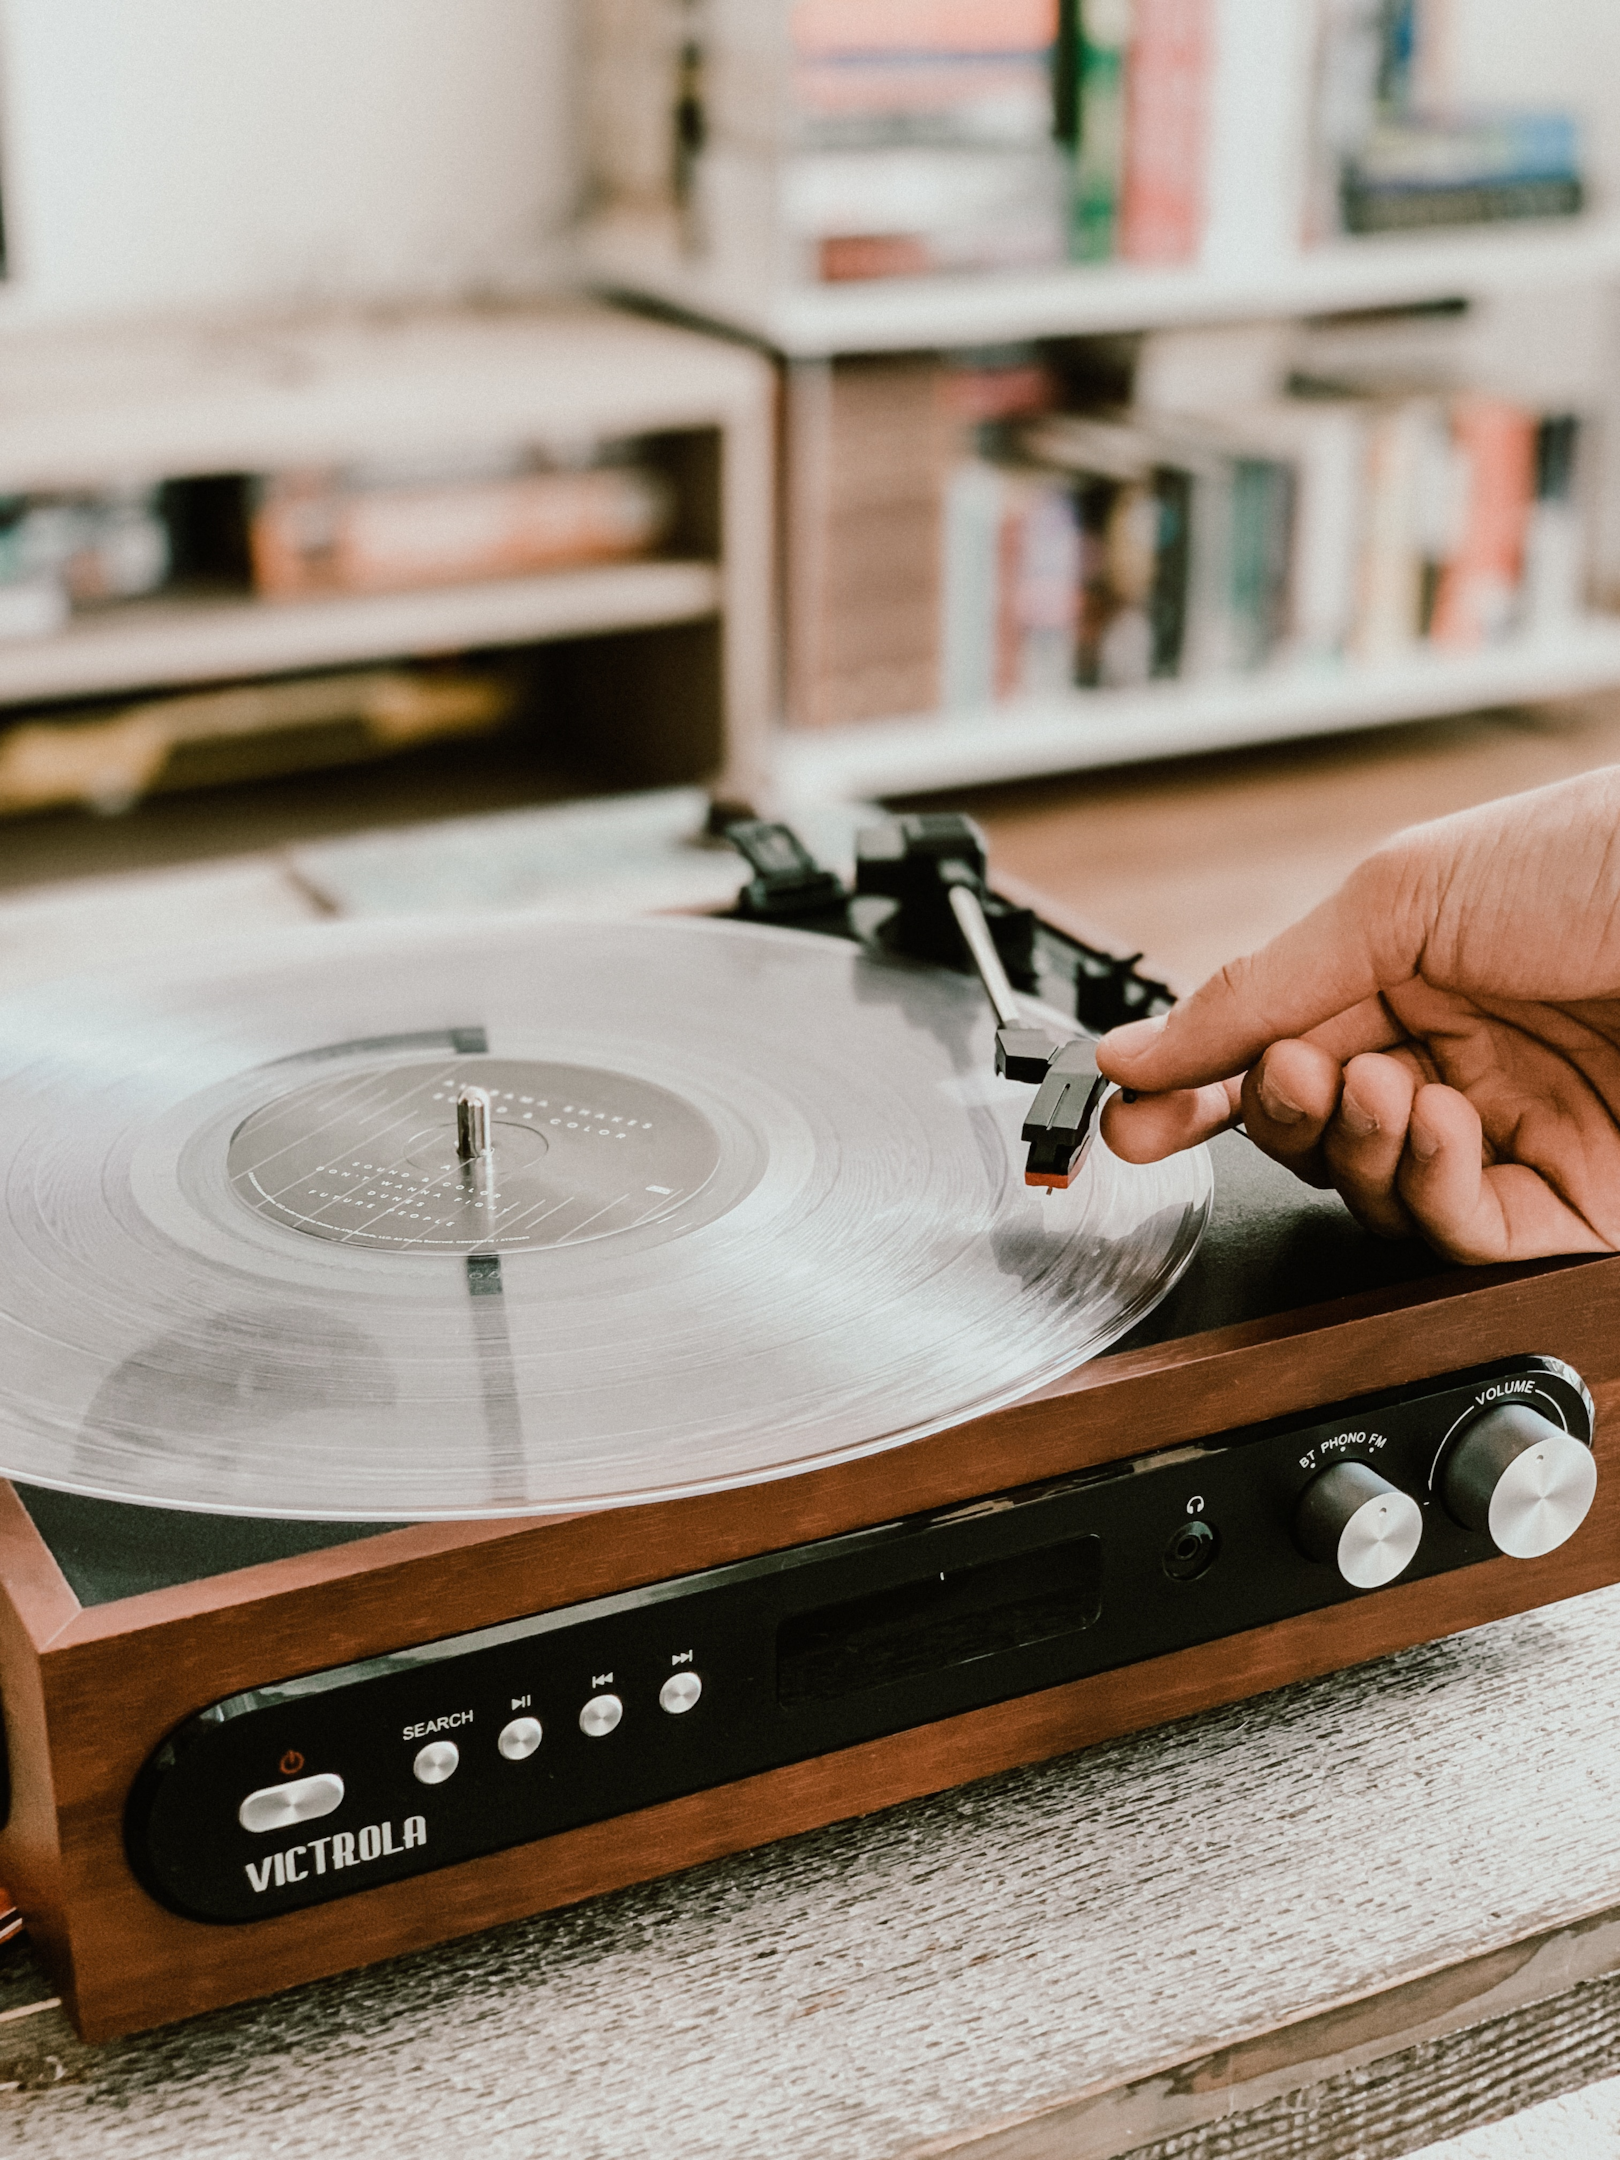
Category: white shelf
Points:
column 914, row 314
column 1117, row 727
column 149, row 401
column 183, row 641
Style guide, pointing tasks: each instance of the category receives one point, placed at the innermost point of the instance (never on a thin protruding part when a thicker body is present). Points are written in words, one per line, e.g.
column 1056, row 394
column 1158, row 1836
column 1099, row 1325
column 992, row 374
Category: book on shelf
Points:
column 1413, row 172
column 1477, row 581
column 1090, row 97
column 1012, row 586
column 833, row 215
column 1171, row 51
column 1400, row 523
column 59, row 553
column 1195, row 526
column 1553, row 574
column 810, row 142
column 867, row 452
column 320, row 531
column 1131, row 92
column 821, row 141
column 919, row 71
column 1395, row 151
column 846, row 142
column 805, row 75
column 107, row 758
column 973, row 546
column 1131, row 508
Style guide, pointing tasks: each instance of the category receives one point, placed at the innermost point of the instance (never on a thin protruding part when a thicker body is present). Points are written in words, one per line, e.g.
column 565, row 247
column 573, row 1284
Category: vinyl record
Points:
column 753, row 1203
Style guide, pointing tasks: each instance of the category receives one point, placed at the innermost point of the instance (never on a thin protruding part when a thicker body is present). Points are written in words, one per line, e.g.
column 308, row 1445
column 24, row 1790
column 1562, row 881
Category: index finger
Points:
column 1328, row 967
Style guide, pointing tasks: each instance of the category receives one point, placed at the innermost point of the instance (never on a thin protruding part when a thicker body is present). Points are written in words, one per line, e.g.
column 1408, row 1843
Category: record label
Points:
column 368, row 1157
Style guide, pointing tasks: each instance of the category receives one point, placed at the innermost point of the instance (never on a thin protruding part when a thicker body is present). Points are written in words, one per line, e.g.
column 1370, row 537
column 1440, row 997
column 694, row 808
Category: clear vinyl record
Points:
column 752, row 1203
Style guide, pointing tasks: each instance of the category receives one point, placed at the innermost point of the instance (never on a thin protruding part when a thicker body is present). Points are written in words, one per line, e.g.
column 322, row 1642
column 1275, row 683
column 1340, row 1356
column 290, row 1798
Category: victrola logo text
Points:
column 343, row 1849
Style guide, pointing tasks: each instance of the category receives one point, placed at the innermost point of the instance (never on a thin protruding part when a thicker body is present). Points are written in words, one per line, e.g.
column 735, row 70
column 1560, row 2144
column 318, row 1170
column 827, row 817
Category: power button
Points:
column 278, row 1807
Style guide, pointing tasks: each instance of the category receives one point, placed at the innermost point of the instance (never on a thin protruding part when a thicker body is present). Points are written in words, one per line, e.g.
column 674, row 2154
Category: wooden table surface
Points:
column 1347, row 1918
column 1340, row 1919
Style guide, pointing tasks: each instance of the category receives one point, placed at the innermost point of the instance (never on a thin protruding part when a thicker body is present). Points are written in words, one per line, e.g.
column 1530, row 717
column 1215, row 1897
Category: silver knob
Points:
column 1520, row 1477
column 1368, row 1528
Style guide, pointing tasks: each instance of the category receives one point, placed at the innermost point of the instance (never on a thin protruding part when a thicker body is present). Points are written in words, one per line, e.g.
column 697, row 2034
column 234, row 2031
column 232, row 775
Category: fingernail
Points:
column 1360, row 1120
column 1135, row 1037
column 1425, row 1145
column 1276, row 1104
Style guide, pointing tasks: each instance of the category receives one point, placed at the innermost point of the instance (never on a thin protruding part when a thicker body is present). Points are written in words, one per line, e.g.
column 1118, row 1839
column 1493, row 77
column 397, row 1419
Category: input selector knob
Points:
column 1521, row 1478
column 1368, row 1528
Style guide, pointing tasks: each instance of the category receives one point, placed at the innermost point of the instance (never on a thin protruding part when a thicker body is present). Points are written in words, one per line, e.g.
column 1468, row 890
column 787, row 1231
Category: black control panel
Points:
column 331, row 1783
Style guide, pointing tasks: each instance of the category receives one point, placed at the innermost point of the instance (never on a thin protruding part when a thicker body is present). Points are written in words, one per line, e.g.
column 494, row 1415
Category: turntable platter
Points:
column 748, row 1202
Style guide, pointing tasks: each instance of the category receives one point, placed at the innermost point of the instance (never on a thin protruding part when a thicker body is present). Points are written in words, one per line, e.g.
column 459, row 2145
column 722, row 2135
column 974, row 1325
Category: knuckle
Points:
column 1233, row 977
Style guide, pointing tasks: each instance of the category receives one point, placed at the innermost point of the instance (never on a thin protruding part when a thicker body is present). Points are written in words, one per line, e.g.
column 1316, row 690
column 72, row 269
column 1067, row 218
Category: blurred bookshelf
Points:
column 166, row 640
column 475, row 486
column 925, row 187
column 642, row 260
column 1023, row 739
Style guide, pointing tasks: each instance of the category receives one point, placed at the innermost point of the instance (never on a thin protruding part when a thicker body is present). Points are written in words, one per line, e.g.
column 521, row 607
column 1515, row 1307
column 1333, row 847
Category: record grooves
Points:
column 755, row 1199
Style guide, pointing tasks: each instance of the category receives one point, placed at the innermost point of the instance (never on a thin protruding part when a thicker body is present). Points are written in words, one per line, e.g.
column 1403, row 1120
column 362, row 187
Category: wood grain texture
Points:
column 120, row 1961
column 1425, row 2093
column 1177, row 2104
column 943, row 1967
column 35, row 1605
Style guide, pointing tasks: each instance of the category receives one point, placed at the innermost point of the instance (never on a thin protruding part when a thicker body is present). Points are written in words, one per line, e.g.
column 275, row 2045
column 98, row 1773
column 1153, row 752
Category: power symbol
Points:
column 291, row 1763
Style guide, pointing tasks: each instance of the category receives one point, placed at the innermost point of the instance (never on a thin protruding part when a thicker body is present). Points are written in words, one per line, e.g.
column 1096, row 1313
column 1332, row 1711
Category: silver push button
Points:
column 519, row 1740
column 436, row 1762
column 278, row 1807
column 600, row 1715
column 679, row 1692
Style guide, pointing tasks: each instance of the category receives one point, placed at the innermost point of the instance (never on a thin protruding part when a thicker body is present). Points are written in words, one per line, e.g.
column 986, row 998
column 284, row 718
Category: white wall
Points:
column 170, row 153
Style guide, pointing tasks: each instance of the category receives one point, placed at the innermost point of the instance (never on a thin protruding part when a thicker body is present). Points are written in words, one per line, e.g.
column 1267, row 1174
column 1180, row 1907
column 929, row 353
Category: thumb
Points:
column 1365, row 938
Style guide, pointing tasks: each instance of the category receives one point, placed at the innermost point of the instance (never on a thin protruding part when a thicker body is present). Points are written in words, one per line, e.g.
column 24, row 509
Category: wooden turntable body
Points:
column 89, row 1691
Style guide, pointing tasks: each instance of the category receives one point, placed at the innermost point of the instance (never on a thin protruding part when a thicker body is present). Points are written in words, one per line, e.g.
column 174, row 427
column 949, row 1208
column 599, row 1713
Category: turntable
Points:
column 496, row 1414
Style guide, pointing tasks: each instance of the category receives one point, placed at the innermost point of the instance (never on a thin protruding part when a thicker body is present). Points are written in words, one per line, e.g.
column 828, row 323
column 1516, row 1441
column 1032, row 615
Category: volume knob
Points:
column 1367, row 1527
column 1520, row 1477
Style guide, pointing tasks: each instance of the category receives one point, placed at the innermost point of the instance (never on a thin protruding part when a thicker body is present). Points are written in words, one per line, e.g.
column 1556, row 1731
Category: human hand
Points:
column 1439, row 1040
